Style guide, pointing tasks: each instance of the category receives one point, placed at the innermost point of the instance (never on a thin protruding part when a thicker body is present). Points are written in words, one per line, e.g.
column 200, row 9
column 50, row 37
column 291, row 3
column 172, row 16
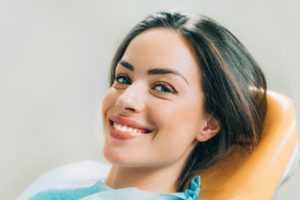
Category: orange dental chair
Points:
column 257, row 175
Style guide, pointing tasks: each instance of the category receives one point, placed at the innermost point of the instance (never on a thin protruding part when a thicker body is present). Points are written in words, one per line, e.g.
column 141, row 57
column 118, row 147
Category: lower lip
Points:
column 123, row 135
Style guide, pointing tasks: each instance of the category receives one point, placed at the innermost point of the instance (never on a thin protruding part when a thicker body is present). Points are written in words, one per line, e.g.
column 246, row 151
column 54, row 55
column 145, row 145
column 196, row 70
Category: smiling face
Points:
column 153, row 114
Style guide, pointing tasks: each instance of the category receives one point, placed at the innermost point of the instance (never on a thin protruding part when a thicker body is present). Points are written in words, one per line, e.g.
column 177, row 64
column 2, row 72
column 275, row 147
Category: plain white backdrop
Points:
column 54, row 65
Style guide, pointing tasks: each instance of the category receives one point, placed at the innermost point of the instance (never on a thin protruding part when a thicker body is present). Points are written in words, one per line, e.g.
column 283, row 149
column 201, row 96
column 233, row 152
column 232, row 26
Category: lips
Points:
column 122, row 128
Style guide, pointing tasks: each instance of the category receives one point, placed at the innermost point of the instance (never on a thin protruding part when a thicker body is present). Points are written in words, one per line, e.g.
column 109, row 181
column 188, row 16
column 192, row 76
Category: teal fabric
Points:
column 100, row 191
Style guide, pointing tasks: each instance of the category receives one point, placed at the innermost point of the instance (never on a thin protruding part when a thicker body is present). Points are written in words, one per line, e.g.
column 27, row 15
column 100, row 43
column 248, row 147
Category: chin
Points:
column 114, row 156
column 120, row 158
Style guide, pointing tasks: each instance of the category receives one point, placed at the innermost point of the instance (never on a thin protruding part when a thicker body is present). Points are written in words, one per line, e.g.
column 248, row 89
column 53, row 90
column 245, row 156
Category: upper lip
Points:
column 129, row 123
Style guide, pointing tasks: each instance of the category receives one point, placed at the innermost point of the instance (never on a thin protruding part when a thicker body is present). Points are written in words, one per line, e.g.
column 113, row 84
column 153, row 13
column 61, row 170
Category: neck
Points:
column 163, row 180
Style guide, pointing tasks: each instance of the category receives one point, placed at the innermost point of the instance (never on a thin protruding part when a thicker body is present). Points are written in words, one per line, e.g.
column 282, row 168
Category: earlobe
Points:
column 209, row 129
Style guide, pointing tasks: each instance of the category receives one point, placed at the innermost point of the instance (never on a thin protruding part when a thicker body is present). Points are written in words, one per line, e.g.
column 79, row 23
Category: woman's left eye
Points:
column 163, row 88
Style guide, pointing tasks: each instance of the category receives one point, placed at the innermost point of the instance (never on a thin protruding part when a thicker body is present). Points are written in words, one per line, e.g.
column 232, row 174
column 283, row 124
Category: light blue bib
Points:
column 101, row 191
column 85, row 180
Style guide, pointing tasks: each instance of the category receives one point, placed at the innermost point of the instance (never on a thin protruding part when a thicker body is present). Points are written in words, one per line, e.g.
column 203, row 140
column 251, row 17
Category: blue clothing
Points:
column 83, row 181
column 101, row 191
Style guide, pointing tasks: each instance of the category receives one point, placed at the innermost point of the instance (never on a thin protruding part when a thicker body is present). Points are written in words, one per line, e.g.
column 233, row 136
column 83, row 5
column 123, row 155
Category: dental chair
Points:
column 257, row 175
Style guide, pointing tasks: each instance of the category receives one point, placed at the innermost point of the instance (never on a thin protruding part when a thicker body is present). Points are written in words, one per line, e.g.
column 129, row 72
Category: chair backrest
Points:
column 256, row 175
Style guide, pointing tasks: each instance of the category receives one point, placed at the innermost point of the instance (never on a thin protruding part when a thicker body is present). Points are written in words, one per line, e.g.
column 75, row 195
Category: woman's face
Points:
column 153, row 113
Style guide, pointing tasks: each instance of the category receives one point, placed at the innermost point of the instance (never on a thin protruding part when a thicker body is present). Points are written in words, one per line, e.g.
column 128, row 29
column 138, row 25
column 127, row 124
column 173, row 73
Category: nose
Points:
column 131, row 100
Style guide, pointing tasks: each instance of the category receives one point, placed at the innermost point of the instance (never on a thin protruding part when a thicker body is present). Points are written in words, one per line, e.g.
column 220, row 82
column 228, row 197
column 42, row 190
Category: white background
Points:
column 54, row 61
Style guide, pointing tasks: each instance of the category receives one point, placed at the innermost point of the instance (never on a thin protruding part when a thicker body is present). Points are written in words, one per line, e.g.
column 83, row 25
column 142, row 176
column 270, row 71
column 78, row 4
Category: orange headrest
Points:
column 255, row 175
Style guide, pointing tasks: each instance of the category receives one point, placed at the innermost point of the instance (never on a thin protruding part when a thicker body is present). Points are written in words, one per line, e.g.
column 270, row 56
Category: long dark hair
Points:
column 234, row 86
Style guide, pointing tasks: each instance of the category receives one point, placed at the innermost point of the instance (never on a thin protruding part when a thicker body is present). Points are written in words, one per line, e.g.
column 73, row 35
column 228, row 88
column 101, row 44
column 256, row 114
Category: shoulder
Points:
column 76, row 175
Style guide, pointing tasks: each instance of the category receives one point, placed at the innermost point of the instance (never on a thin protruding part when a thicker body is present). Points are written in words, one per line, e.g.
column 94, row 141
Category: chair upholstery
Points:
column 256, row 175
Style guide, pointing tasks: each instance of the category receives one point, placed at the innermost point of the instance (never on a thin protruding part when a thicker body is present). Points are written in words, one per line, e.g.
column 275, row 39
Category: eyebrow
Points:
column 127, row 65
column 154, row 71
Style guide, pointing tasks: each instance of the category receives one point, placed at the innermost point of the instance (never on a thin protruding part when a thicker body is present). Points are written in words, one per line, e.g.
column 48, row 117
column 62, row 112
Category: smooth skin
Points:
column 158, row 88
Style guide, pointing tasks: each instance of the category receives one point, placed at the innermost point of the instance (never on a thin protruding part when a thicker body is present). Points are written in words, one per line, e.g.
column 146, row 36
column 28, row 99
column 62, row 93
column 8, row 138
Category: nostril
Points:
column 129, row 109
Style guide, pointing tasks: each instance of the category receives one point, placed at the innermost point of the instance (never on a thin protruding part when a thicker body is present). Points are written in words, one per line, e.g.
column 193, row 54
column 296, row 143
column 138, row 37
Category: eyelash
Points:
column 124, row 77
column 164, row 87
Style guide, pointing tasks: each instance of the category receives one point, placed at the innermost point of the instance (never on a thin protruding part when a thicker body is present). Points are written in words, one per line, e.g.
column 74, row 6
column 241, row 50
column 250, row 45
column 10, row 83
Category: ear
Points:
column 209, row 128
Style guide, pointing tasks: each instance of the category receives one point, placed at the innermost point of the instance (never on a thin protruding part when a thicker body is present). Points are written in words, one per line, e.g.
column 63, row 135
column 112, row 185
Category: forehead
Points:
column 161, row 47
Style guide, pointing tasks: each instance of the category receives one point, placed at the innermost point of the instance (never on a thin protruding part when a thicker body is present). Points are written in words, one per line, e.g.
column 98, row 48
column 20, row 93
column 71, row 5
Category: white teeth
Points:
column 121, row 127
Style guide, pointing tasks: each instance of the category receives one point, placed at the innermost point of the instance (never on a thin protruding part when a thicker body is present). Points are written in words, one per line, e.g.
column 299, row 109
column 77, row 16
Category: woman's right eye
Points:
column 123, row 79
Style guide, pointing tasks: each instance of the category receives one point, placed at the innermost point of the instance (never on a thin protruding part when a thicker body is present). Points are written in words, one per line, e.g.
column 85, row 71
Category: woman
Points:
column 183, row 90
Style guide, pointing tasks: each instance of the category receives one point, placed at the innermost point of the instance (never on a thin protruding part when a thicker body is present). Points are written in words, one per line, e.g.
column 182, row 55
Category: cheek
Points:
column 178, row 125
column 184, row 115
column 108, row 101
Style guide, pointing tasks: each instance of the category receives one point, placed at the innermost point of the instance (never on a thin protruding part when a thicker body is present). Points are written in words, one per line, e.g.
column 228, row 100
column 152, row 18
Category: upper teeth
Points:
column 121, row 127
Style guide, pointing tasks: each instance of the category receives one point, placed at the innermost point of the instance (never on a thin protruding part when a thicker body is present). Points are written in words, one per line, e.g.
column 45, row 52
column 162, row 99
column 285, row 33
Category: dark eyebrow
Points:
column 155, row 71
column 127, row 65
